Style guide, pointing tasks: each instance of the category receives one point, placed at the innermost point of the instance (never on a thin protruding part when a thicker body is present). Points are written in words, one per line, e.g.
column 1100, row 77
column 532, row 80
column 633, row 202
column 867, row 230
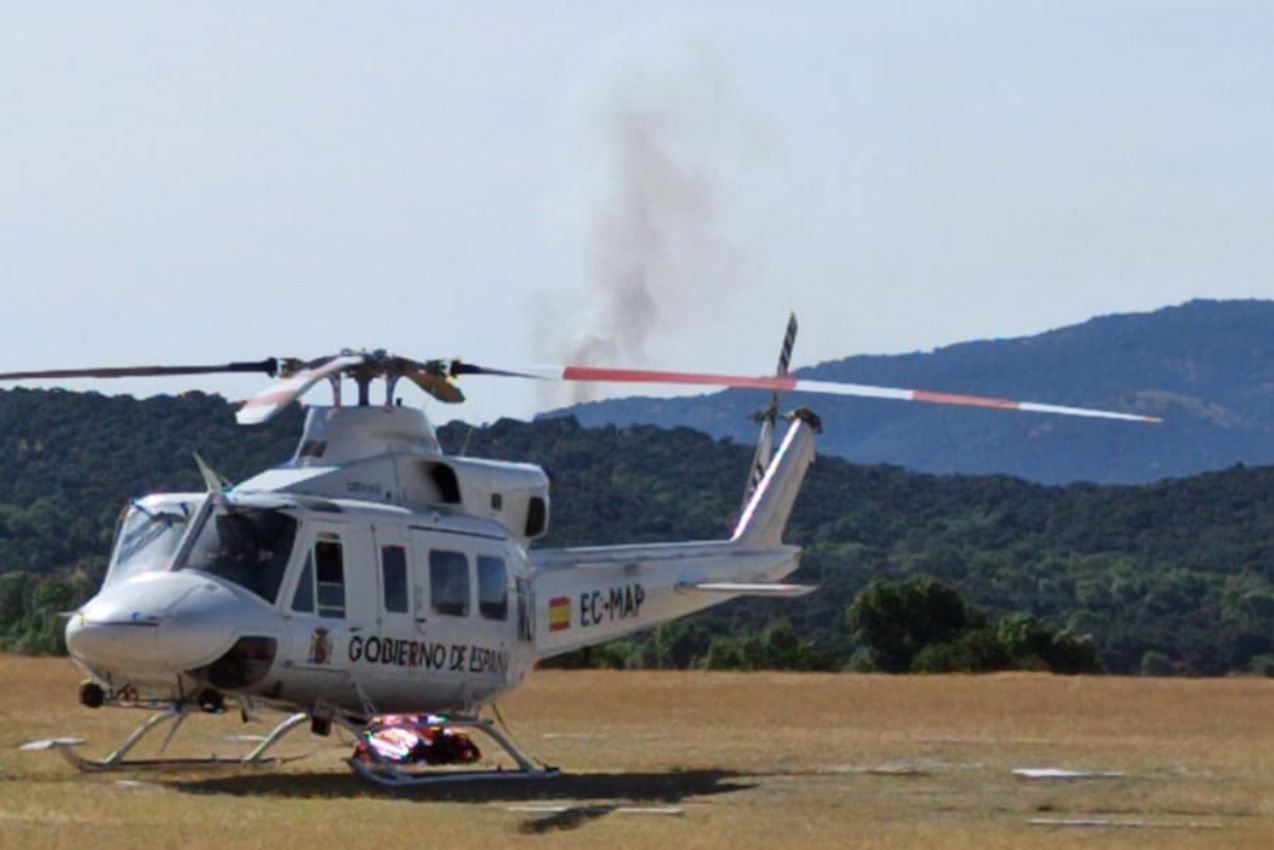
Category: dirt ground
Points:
column 711, row 760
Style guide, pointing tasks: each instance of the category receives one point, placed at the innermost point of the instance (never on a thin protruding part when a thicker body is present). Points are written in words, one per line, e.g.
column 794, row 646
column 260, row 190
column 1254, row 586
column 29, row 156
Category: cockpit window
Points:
column 146, row 539
column 247, row 546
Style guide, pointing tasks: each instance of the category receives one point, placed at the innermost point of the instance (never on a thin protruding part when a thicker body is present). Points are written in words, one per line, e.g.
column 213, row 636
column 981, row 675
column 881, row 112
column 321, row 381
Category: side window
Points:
column 303, row 599
column 536, row 517
column 449, row 583
column 393, row 570
column 329, row 562
column 493, row 592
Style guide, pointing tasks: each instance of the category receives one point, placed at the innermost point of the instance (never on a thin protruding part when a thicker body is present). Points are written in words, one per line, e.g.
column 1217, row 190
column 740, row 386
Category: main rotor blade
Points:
column 437, row 386
column 788, row 384
column 280, row 393
column 269, row 366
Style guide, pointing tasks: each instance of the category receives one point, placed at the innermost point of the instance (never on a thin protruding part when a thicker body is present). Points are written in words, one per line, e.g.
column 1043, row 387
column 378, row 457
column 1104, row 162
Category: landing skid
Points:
column 394, row 776
column 117, row 760
column 382, row 774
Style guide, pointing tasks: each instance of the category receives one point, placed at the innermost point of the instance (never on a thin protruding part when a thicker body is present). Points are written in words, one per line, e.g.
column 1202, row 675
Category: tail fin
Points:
column 769, row 416
column 766, row 514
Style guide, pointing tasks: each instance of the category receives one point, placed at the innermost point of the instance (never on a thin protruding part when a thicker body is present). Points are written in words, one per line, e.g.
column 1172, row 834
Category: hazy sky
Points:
column 633, row 181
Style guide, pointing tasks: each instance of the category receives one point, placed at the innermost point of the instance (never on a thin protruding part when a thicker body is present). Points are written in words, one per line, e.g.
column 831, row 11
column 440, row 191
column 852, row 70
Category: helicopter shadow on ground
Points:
column 586, row 796
column 651, row 787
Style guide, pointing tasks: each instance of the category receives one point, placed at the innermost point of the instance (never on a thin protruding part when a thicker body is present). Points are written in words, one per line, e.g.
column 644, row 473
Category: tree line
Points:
column 1176, row 576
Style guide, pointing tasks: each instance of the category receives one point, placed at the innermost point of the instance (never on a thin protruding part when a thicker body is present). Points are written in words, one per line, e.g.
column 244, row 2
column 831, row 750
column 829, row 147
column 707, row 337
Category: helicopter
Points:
column 372, row 575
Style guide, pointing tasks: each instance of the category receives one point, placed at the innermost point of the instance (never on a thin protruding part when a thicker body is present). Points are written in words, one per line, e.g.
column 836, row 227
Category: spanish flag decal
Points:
column 559, row 613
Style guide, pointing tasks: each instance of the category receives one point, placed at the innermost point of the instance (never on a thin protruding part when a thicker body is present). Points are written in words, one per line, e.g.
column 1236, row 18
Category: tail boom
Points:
column 587, row 596
column 591, row 596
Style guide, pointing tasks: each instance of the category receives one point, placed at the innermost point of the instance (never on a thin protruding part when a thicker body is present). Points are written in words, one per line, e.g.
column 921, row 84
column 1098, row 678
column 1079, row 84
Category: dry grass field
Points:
column 685, row 760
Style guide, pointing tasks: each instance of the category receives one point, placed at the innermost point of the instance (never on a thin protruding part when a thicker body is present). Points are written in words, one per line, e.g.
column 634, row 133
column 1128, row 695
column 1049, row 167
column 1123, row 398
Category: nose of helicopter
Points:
column 156, row 622
column 199, row 627
column 108, row 643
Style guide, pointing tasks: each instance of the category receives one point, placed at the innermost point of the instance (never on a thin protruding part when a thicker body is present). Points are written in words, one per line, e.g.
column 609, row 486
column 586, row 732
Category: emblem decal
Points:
column 320, row 647
column 559, row 613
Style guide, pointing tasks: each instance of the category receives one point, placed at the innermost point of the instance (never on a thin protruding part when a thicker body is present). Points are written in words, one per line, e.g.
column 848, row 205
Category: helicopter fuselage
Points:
column 419, row 596
column 356, row 607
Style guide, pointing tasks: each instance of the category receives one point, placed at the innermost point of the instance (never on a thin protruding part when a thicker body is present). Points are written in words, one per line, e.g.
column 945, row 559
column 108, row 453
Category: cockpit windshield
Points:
column 247, row 546
column 148, row 536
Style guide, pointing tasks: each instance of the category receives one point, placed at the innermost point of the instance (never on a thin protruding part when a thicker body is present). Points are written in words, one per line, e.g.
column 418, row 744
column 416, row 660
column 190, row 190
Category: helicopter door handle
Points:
column 355, row 629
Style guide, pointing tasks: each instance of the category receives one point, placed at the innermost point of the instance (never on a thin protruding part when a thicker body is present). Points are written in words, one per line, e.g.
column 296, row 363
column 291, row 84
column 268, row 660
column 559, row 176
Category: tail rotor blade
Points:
column 769, row 416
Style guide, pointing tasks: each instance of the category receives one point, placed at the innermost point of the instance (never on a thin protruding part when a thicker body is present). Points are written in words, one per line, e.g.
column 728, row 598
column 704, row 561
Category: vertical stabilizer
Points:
column 590, row 595
column 766, row 513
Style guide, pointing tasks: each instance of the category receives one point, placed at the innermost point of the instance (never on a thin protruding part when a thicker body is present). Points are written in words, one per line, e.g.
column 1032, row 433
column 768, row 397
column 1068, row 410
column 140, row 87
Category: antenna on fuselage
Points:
column 213, row 480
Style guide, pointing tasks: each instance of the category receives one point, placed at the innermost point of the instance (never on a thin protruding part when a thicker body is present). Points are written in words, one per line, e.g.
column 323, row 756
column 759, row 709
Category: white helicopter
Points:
column 371, row 575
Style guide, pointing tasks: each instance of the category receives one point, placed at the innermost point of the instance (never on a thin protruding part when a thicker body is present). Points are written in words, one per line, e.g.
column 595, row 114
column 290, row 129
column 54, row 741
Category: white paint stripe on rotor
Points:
column 1034, row 407
column 863, row 390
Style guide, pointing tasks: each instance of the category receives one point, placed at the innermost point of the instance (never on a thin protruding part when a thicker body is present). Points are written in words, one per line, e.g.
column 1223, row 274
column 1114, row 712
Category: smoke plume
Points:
column 657, row 257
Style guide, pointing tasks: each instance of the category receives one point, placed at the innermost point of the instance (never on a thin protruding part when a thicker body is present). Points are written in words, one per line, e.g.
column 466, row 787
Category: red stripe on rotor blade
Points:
column 639, row 376
column 964, row 400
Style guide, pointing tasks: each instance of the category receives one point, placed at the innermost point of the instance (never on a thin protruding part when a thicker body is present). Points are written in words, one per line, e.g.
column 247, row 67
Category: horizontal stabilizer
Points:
column 738, row 588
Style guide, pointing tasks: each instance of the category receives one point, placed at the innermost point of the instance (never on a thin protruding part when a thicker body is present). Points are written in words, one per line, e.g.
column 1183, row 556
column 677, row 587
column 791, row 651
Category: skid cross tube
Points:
column 117, row 759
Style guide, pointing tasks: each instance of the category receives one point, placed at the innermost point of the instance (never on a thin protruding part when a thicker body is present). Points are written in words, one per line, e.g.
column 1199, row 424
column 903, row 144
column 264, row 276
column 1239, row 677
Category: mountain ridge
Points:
column 1206, row 367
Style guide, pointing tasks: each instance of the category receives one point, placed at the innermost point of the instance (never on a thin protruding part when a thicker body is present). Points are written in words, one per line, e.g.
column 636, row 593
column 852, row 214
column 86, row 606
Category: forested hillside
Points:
column 1207, row 367
column 1184, row 568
